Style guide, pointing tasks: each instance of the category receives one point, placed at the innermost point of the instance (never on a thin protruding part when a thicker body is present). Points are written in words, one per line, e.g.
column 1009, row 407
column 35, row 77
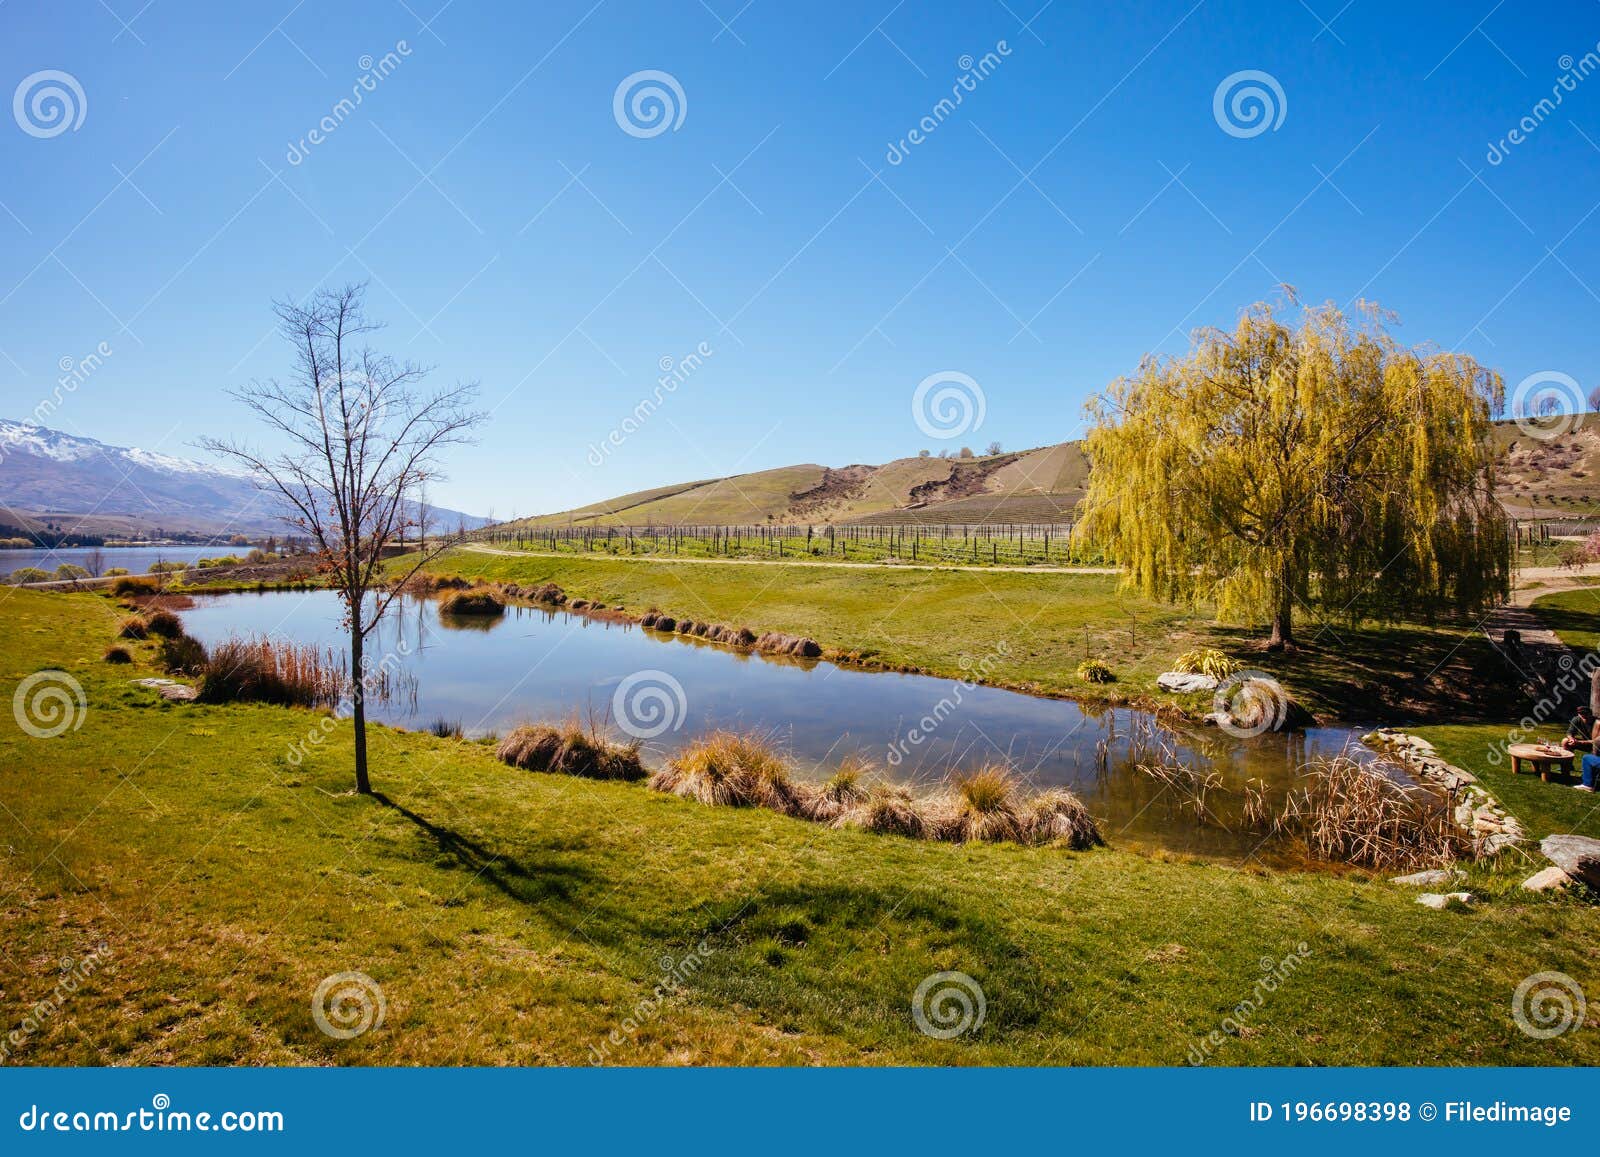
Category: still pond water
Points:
column 537, row 665
column 134, row 559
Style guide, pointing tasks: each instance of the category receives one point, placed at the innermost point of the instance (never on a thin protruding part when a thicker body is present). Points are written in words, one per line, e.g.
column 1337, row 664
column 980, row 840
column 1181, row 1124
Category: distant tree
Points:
column 992, row 449
column 1318, row 464
column 966, row 451
column 360, row 442
column 95, row 562
column 923, row 453
column 68, row 572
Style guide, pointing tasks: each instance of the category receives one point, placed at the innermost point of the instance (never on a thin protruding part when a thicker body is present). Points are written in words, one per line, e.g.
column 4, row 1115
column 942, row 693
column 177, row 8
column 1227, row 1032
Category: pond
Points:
column 538, row 665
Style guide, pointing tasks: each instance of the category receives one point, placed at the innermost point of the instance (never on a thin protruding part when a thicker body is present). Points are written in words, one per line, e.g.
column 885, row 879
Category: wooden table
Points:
column 1542, row 758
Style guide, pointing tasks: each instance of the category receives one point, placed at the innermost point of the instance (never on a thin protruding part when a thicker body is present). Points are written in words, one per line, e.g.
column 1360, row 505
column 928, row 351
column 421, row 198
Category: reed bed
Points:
column 268, row 671
column 475, row 601
column 726, row 769
column 1355, row 814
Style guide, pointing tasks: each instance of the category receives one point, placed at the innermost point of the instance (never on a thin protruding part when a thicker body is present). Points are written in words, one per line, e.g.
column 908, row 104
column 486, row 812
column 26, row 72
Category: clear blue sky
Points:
column 513, row 233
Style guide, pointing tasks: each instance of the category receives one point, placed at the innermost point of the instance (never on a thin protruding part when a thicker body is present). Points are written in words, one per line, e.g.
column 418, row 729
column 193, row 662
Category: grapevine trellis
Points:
column 1008, row 544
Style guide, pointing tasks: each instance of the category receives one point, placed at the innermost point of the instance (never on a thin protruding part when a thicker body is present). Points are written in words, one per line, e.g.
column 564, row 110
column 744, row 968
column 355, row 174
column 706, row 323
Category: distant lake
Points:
column 135, row 559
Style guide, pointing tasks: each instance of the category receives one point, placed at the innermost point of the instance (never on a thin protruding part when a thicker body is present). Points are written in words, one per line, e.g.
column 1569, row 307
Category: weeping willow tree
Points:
column 1302, row 461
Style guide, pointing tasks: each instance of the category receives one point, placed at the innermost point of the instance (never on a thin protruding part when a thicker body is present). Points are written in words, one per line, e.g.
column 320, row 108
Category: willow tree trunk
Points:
column 1283, row 613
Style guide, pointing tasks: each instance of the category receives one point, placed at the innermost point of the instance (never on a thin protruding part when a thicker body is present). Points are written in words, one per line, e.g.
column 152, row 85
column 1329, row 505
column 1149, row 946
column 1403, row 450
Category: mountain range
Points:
column 52, row 479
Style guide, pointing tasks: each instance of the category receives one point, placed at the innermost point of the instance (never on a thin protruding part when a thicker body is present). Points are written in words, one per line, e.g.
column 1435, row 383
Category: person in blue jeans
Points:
column 1591, row 773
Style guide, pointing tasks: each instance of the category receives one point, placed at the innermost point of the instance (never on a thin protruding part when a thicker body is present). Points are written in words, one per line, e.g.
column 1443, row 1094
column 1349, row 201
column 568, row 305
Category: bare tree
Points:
column 360, row 440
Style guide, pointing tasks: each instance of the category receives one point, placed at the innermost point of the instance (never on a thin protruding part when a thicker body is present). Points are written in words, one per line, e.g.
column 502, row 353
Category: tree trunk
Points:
column 358, row 703
column 1282, row 638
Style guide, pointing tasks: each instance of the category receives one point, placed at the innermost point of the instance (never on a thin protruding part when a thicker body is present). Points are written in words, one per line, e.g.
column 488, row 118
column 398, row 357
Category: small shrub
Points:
column 118, row 655
column 728, row 770
column 67, row 572
column 570, row 749
column 133, row 627
column 116, row 571
column 475, row 601
column 1205, row 661
column 163, row 623
column 130, row 585
column 1096, row 671
column 29, row 574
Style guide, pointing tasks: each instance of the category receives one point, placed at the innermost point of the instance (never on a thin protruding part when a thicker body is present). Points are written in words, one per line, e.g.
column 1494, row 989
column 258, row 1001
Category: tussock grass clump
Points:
column 128, row 585
column 1057, row 817
column 474, row 601
column 1355, row 814
column 265, row 671
column 133, row 627
column 887, row 810
column 164, row 623
column 1205, row 661
column 548, row 593
column 725, row 769
column 780, row 644
column 983, row 807
column 840, row 792
column 118, row 655
column 183, row 655
column 1096, row 671
column 570, row 749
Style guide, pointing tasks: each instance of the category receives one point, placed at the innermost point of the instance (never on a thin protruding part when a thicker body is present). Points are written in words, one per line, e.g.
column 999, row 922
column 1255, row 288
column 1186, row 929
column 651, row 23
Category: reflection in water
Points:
column 533, row 664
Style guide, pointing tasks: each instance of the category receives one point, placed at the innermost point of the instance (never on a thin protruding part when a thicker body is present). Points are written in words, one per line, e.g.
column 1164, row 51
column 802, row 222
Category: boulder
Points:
column 1551, row 877
column 1430, row 878
column 1180, row 682
column 1578, row 856
column 1440, row 901
column 1497, row 843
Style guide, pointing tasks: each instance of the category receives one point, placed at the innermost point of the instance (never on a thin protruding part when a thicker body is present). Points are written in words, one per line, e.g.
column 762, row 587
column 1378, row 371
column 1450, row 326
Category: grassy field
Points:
column 1046, row 622
column 512, row 917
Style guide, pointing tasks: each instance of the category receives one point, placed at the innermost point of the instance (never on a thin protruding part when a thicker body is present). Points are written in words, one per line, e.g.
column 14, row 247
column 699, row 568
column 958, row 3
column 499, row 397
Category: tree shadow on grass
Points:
column 552, row 883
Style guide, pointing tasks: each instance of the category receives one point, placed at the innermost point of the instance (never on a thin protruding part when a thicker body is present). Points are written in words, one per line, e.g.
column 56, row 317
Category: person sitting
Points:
column 1581, row 731
column 1589, row 763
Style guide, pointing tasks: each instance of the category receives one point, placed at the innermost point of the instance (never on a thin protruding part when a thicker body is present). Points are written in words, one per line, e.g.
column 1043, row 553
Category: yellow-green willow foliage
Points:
column 1317, row 465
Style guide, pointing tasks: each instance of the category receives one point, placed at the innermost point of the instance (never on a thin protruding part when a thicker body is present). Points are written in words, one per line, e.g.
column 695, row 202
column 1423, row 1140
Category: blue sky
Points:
column 1083, row 206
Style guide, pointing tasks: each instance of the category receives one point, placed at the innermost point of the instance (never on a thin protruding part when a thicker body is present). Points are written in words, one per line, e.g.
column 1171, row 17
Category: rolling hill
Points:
column 1040, row 485
column 1547, row 477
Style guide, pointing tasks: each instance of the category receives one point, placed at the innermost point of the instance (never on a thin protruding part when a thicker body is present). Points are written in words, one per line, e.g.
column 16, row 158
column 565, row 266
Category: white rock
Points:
column 1180, row 682
column 1430, row 877
column 1551, row 877
column 1439, row 902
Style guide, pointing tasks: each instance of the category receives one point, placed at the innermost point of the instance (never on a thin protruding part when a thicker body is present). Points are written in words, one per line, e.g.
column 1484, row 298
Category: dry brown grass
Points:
column 982, row 806
column 474, row 601
column 1352, row 813
column 887, row 810
column 570, row 749
column 268, row 671
column 843, row 790
column 118, row 655
column 726, row 769
column 164, row 623
column 133, row 627
column 1058, row 818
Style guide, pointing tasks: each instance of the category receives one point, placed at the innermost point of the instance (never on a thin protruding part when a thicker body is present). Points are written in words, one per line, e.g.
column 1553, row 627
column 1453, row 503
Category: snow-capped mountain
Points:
column 47, row 475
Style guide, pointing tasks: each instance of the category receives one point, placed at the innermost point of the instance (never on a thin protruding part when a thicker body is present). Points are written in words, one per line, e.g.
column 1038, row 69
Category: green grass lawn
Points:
column 513, row 917
column 1047, row 623
column 1573, row 615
